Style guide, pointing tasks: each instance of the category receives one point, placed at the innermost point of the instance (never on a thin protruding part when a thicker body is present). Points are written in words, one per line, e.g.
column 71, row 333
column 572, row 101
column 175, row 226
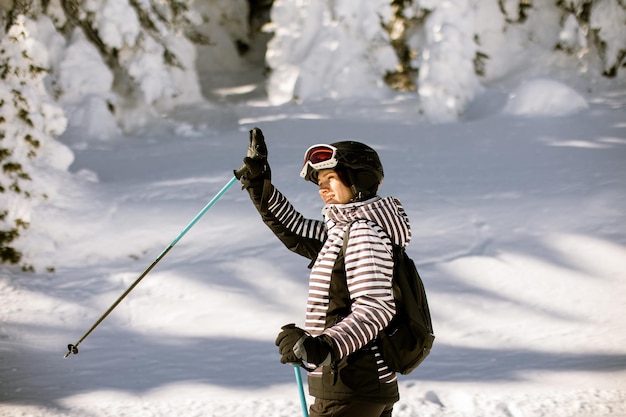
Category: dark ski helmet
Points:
column 357, row 164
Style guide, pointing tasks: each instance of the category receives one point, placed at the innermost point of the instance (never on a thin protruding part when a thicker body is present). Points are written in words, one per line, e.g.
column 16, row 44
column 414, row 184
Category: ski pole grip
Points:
column 239, row 172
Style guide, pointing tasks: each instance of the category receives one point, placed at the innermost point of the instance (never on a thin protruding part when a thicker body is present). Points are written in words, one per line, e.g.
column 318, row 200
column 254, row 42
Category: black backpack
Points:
column 409, row 337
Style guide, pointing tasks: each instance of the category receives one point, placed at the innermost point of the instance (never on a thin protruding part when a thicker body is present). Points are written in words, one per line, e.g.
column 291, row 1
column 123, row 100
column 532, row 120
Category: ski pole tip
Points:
column 71, row 349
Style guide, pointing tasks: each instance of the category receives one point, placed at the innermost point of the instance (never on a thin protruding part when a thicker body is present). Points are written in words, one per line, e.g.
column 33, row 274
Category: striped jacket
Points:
column 350, row 296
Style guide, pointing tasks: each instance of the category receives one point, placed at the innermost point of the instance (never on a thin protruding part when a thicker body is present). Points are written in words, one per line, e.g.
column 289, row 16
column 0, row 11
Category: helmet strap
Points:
column 358, row 195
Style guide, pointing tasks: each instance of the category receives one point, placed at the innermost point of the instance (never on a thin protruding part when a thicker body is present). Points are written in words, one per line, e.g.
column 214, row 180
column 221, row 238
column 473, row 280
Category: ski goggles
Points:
column 318, row 157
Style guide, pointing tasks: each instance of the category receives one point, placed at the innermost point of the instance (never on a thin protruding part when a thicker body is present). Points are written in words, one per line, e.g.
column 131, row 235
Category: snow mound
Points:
column 544, row 97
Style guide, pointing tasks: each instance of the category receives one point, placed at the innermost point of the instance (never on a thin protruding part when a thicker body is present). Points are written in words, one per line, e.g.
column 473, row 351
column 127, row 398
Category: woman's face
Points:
column 332, row 190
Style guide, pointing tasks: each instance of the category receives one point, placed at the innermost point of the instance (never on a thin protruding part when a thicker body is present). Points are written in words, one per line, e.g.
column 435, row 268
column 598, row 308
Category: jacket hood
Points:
column 386, row 212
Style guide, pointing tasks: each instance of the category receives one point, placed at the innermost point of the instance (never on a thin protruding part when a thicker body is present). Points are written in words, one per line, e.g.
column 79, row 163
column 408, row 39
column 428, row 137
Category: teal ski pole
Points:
column 305, row 410
column 73, row 348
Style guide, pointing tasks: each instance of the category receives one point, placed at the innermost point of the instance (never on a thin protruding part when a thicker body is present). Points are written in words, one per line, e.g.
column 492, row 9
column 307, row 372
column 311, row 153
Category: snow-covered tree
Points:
column 104, row 64
column 142, row 51
column 447, row 79
column 599, row 25
column 327, row 49
column 143, row 45
column 29, row 119
column 445, row 50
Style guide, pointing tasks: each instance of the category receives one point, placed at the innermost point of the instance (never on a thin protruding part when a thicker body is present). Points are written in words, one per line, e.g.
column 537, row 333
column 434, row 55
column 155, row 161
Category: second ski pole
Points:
column 305, row 411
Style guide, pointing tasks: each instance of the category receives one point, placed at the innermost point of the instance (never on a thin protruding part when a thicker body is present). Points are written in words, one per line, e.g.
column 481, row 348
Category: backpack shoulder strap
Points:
column 397, row 250
column 346, row 236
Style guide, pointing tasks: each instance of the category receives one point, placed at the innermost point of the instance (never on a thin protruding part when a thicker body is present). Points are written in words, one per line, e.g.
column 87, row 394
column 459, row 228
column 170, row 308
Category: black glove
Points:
column 295, row 344
column 255, row 166
column 286, row 340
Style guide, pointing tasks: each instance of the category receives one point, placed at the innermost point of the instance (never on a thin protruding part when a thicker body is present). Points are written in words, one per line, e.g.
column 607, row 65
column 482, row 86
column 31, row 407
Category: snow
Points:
column 544, row 97
column 117, row 25
column 517, row 212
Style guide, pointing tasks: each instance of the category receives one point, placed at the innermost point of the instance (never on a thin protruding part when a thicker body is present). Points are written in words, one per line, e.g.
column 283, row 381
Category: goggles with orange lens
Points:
column 318, row 157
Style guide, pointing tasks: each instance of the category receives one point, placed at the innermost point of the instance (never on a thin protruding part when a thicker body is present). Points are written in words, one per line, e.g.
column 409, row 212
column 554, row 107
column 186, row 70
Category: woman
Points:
column 350, row 286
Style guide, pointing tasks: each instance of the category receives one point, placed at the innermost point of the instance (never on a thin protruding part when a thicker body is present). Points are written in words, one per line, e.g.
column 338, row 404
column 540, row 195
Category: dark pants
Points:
column 338, row 408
